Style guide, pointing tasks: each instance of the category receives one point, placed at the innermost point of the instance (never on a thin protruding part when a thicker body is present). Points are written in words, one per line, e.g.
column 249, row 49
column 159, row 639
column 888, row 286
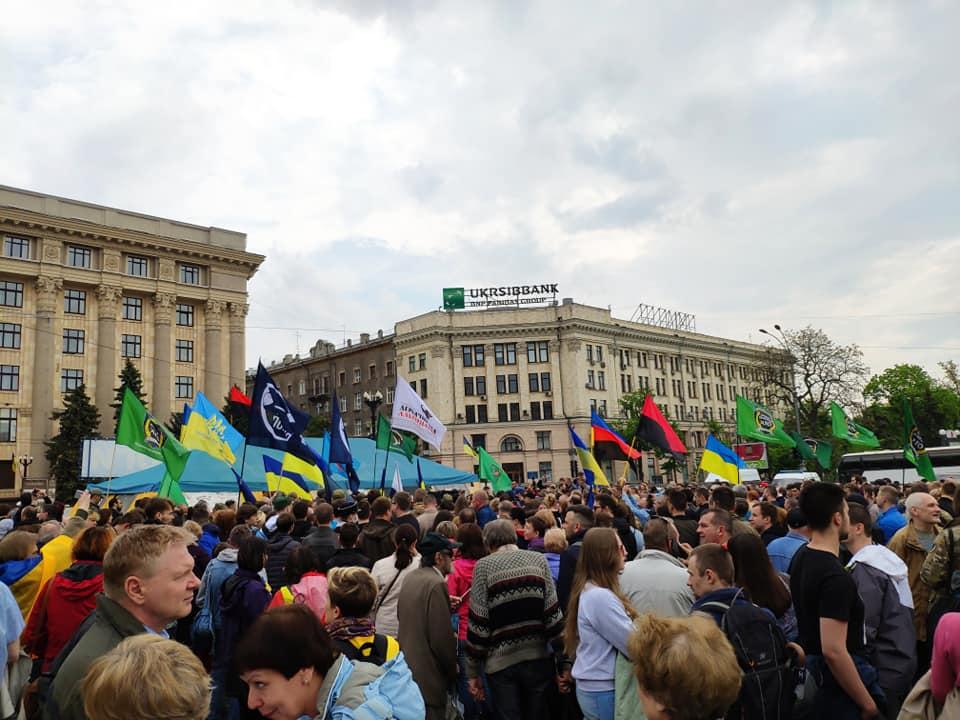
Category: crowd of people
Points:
column 554, row 600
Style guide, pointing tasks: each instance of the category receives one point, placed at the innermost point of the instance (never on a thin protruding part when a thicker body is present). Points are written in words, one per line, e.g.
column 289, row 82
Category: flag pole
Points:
column 386, row 464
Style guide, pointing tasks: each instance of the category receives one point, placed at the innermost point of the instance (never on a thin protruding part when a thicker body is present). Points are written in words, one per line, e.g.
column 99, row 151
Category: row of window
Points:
column 130, row 345
column 506, row 384
column 79, row 256
column 538, row 351
column 511, row 443
column 509, row 412
column 72, row 378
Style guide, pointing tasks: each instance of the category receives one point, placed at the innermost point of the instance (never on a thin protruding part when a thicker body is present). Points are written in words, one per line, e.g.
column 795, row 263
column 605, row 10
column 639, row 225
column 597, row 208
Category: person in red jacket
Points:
column 65, row 601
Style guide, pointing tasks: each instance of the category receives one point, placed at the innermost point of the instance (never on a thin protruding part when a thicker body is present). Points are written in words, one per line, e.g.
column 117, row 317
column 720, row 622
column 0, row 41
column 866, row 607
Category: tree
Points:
column 813, row 372
column 175, row 423
column 129, row 378
column 318, row 425
column 934, row 405
column 951, row 375
column 79, row 419
column 632, row 407
column 237, row 415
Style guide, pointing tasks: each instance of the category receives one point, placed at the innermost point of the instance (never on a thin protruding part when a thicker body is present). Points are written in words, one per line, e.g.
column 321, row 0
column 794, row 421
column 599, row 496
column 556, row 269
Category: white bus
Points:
column 891, row 465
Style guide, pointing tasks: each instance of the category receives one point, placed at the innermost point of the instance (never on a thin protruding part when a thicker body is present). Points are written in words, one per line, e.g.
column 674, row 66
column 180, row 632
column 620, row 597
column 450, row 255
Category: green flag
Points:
column 491, row 472
column 845, row 429
column 387, row 439
column 818, row 451
column 755, row 421
column 171, row 489
column 913, row 448
column 140, row 431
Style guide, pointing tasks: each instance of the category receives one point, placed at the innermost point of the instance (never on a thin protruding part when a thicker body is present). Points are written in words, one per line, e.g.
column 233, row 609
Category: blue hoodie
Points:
column 724, row 596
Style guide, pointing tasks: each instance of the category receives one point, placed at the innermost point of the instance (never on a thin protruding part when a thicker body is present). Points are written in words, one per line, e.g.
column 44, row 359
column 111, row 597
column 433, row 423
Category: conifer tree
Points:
column 79, row 419
column 129, row 377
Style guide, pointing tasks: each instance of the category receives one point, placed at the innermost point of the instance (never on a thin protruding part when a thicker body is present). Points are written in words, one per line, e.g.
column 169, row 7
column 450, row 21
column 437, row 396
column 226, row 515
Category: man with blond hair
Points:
column 148, row 583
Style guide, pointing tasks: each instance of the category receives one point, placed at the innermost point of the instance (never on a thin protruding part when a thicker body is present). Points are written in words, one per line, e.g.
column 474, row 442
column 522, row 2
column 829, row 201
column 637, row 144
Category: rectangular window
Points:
column 372, row 372
column 468, row 386
column 302, row 387
column 133, row 308
column 75, row 302
column 138, row 266
column 602, row 408
column 502, row 412
column 79, row 257
column 357, row 376
column 423, row 388
column 513, row 385
column 388, row 370
column 548, row 410
column 183, row 386
column 534, row 411
column 481, row 385
column 545, row 471
column 184, row 351
column 358, row 401
column 514, row 412
column 184, row 314
column 599, row 353
column 641, row 359
column 341, row 378
column 478, row 357
column 10, row 336
column 73, row 341
column 538, row 351
column 343, row 404
column 590, row 354
column 412, row 363
column 478, row 441
column 70, row 379
column 471, row 414
column 591, row 381
column 601, row 380
column 16, row 247
column 390, row 396
column 543, row 439
column 422, row 360
column 545, row 382
column 505, row 353
column 481, row 413
column 10, row 377
column 357, row 428
column 501, row 384
column 8, row 425
column 130, row 346
column 533, row 380
column 467, row 352
column 190, row 274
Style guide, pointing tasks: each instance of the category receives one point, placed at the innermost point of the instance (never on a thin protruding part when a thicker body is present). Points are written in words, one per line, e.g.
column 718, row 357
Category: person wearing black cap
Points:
column 426, row 634
column 782, row 550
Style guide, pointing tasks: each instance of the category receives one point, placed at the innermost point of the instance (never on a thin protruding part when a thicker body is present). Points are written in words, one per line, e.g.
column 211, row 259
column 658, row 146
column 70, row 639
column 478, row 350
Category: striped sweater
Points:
column 514, row 611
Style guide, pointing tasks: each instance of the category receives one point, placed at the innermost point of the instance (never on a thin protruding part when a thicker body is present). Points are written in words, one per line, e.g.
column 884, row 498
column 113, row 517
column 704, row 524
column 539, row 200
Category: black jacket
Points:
column 376, row 539
column 279, row 548
column 323, row 542
column 348, row 557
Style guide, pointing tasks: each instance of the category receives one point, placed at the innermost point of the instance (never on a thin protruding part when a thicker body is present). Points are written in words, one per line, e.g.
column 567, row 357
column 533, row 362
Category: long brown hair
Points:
column 599, row 563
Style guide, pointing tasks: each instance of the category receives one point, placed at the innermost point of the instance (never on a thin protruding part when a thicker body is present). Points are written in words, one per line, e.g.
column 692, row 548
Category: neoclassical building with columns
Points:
column 84, row 287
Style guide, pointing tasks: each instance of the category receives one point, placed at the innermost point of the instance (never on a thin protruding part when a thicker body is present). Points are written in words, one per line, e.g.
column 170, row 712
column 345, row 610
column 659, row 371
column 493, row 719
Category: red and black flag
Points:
column 607, row 444
column 236, row 396
column 655, row 429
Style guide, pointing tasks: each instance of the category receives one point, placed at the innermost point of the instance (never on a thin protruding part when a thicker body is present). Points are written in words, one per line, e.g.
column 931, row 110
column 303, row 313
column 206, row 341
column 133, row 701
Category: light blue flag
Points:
column 217, row 423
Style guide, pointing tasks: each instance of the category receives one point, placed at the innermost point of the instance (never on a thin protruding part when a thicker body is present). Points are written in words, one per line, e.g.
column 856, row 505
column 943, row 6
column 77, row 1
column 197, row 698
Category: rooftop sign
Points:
column 503, row 296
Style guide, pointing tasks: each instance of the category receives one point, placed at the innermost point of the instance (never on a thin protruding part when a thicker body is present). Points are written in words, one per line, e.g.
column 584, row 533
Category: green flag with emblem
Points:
column 914, row 449
column 846, row 429
column 818, row 451
column 387, row 439
column 491, row 472
column 755, row 421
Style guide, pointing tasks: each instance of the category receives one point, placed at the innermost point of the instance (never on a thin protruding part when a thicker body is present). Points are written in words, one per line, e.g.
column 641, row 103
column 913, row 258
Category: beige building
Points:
column 310, row 382
column 510, row 378
column 82, row 287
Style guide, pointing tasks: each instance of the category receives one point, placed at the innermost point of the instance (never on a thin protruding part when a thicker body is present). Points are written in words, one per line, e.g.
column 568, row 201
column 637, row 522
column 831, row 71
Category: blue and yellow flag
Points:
column 721, row 460
column 591, row 468
column 207, row 429
column 281, row 479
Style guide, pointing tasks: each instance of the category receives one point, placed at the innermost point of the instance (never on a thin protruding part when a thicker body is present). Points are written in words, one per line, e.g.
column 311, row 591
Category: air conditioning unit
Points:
column 459, row 416
column 588, row 386
column 602, row 364
column 548, row 393
column 483, row 397
column 590, row 360
column 623, row 366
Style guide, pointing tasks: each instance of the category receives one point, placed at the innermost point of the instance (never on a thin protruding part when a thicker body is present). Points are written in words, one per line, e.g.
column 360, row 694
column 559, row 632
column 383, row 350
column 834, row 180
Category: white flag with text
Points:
column 410, row 413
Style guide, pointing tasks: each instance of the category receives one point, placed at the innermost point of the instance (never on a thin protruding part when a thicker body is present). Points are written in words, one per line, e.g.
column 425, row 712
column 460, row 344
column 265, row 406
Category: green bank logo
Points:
column 453, row 298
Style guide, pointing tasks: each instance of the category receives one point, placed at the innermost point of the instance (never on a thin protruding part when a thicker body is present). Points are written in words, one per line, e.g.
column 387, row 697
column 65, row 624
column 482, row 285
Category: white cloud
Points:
column 751, row 164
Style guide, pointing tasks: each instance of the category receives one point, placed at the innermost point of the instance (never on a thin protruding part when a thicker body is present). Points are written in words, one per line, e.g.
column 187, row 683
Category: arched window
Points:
column 511, row 443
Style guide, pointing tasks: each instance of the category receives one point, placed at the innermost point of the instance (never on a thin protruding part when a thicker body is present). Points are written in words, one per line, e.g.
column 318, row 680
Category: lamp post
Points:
column 25, row 462
column 373, row 402
column 782, row 341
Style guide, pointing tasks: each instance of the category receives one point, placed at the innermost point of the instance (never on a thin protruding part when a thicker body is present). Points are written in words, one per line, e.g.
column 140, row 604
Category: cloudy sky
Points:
column 748, row 162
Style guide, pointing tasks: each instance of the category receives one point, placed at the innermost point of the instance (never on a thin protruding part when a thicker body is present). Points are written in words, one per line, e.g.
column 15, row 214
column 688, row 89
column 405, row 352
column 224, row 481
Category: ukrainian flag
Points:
column 23, row 578
column 721, row 460
column 591, row 468
column 292, row 476
column 207, row 430
column 468, row 449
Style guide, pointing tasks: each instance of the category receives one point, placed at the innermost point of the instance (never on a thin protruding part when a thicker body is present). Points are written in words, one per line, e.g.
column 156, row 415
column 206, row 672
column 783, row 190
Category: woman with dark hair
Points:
column 761, row 583
column 459, row 582
column 306, row 585
column 389, row 573
column 243, row 599
column 68, row 598
column 289, row 664
column 536, row 527
column 599, row 622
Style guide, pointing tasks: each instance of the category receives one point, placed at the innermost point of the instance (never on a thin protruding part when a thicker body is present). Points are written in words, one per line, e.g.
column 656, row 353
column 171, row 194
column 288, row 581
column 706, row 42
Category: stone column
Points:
column 163, row 304
column 238, row 321
column 49, row 293
column 108, row 307
column 214, row 381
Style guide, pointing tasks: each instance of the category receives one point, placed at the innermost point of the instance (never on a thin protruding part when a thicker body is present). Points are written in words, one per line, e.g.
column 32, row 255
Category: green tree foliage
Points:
column 237, row 415
column 79, row 419
column 129, row 378
column 318, row 425
column 934, row 405
column 632, row 406
column 175, row 423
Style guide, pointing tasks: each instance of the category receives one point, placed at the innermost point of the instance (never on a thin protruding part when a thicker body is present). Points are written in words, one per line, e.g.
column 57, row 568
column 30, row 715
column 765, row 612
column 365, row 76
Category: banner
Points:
column 410, row 413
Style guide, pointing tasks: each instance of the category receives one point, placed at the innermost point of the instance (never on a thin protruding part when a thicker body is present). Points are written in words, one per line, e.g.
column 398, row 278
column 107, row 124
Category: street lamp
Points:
column 782, row 341
column 373, row 402
column 25, row 462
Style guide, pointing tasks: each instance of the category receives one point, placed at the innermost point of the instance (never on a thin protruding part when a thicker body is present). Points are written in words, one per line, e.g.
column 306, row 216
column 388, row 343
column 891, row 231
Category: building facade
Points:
column 84, row 287
column 311, row 382
column 510, row 379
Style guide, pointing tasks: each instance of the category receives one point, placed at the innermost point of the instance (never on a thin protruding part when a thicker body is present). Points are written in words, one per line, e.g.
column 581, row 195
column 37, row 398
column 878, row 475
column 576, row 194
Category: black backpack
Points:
column 767, row 689
column 374, row 652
